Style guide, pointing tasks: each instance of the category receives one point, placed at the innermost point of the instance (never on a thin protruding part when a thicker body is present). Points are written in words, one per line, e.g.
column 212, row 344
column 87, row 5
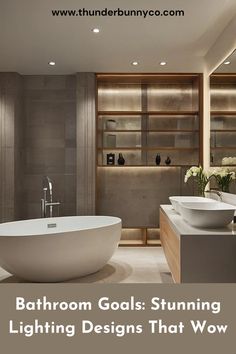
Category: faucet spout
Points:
column 47, row 187
column 214, row 191
column 47, row 182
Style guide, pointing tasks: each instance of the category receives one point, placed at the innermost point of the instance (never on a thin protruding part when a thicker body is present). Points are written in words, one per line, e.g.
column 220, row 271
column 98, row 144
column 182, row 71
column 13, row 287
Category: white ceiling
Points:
column 231, row 68
column 30, row 36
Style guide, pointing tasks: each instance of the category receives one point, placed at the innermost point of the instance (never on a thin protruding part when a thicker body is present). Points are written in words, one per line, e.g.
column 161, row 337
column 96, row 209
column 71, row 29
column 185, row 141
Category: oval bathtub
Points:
column 58, row 249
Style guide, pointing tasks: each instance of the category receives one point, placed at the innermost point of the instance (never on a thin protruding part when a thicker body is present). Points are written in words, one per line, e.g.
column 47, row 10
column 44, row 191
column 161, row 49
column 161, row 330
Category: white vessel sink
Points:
column 175, row 200
column 207, row 215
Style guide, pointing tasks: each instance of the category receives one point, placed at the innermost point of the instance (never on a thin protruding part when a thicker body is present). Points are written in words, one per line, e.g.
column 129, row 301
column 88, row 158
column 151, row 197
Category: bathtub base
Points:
column 57, row 257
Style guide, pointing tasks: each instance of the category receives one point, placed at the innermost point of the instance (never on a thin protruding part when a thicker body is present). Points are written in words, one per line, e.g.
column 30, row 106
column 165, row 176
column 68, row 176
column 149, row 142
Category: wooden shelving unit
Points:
column 144, row 240
column 153, row 114
column 142, row 166
column 148, row 148
column 223, row 117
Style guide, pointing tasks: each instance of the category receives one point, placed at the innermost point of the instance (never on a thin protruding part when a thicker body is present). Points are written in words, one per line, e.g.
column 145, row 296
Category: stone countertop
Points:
column 182, row 228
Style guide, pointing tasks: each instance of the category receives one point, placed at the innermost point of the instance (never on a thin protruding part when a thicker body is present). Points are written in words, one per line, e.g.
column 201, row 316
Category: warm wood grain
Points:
column 150, row 113
column 171, row 245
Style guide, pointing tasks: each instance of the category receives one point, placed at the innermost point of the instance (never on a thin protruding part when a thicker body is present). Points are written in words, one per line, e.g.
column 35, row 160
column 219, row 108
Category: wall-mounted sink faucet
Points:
column 214, row 191
column 45, row 204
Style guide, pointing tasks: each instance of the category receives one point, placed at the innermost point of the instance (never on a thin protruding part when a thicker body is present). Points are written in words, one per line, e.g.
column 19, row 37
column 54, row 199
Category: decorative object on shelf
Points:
column 111, row 140
column 158, row 159
column 202, row 178
column 110, row 159
column 121, row 160
column 168, row 160
column 223, row 177
column 229, row 161
column 111, row 124
column 211, row 158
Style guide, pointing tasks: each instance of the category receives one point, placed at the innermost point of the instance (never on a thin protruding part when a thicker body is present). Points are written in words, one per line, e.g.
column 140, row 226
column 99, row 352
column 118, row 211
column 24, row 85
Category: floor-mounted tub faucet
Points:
column 47, row 187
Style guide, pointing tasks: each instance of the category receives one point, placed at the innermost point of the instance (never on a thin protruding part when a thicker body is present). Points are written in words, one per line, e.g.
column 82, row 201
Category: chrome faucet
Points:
column 47, row 186
column 214, row 191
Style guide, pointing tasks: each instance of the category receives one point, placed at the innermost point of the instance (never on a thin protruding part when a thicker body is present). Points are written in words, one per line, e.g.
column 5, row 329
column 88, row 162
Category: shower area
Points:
column 43, row 132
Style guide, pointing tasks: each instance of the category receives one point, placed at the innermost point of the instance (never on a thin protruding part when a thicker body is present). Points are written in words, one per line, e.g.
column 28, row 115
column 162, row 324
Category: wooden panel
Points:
column 223, row 78
column 171, row 245
column 160, row 113
column 146, row 78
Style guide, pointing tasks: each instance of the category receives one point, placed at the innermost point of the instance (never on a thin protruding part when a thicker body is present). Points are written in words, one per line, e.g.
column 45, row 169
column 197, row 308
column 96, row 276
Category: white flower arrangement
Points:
column 229, row 161
column 202, row 177
column 224, row 177
column 193, row 171
column 223, row 172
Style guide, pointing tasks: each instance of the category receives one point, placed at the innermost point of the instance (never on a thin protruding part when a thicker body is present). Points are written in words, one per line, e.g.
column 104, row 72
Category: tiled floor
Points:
column 128, row 265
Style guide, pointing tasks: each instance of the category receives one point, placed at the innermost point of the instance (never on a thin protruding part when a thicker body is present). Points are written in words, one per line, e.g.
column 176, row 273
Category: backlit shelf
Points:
column 156, row 113
column 223, row 113
column 147, row 148
column 223, row 130
column 149, row 131
column 224, row 148
column 151, row 166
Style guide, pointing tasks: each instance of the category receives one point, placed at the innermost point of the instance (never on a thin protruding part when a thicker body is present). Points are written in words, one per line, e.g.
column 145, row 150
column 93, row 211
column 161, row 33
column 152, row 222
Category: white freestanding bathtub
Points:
column 58, row 249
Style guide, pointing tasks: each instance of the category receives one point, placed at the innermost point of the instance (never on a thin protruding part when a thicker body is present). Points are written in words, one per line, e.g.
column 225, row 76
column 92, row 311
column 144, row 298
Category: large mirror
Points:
column 223, row 117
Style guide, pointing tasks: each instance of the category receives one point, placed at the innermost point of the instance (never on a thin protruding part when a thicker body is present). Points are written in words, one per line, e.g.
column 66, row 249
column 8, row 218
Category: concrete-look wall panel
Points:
column 135, row 194
column 86, row 143
column 10, row 145
column 50, row 141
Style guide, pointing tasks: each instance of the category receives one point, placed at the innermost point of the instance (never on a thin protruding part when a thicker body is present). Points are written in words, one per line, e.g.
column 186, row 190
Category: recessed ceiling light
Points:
column 162, row 63
column 52, row 63
column 135, row 63
column 227, row 62
column 96, row 30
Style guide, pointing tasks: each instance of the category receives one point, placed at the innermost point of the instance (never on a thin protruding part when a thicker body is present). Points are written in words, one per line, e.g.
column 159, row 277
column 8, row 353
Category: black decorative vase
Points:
column 158, row 159
column 121, row 160
column 110, row 159
column 168, row 160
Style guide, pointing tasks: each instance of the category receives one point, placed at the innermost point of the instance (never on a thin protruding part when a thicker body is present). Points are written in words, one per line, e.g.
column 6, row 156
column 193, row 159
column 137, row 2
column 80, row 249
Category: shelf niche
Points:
column 223, row 117
column 152, row 114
